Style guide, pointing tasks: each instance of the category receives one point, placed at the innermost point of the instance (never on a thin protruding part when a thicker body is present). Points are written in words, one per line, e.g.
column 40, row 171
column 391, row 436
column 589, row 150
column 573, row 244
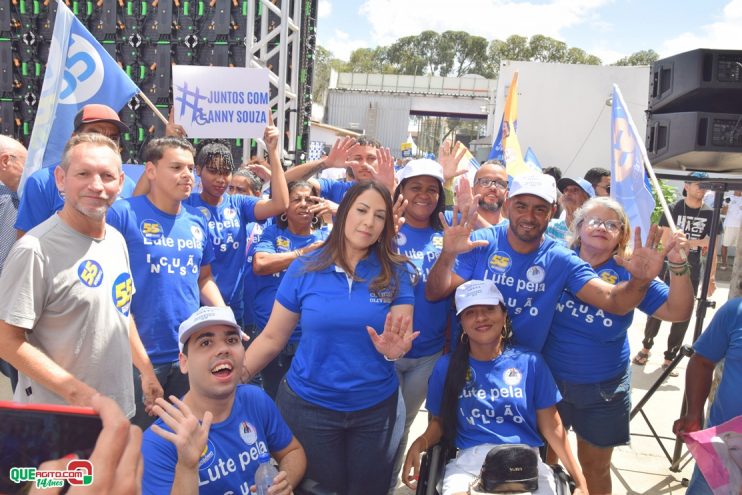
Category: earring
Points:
column 283, row 217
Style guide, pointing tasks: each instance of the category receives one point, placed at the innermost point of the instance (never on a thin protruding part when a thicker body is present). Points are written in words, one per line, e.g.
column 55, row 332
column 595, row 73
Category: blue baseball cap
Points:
column 581, row 183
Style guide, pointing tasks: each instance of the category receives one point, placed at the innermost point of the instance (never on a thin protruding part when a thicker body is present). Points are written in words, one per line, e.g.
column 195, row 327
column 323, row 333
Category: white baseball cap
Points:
column 477, row 292
column 421, row 166
column 540, row 185
column 206, row 316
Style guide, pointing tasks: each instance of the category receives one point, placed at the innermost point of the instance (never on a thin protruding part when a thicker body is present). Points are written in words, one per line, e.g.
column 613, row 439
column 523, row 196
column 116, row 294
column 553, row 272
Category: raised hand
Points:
column 456, row 236
column 449, row 158
column 189, row 435
column 338, row 157
column 646, row 261
column 384, row 171
column 270, row 135
column 463, row 194
column 396, row 339
column 398, row 211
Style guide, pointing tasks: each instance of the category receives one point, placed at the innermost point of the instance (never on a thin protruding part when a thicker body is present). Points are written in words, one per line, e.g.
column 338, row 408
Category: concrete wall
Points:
column 562, row 111
column 383, row 117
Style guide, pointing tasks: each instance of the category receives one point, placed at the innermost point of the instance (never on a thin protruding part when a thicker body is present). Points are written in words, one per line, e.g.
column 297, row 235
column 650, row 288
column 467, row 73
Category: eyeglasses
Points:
column 487, row 182
column 609, row 225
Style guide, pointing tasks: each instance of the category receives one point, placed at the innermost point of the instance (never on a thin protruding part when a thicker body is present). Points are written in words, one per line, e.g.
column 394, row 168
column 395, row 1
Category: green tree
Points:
column 416, row 55
column 462, row 53
column 545, row 49
column 642, row 57
column 324, row 63
column 369, row 60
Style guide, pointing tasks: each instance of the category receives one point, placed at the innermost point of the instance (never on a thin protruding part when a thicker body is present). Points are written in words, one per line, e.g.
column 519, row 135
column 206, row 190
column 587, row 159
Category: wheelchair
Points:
column 433, row 465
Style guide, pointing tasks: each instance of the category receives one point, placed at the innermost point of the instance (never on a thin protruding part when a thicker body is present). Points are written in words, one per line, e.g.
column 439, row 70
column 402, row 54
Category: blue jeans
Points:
column 349, row 453
column 413, row 375
column 588, row 407
column 173, row 383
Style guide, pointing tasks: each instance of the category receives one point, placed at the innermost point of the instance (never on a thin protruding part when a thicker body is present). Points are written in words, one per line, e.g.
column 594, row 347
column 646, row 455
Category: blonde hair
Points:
column 92, row 138
column 622, row 248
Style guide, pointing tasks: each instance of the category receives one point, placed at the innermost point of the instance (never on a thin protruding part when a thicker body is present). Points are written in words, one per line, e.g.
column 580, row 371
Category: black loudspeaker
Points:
column 697, row 81
column 695, row 111
column 695, row 140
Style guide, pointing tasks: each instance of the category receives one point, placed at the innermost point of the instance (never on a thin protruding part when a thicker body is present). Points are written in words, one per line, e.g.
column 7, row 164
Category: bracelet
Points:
column 679, row 270
column 393, row 359
column 426, row 442
column 673, row 264
column 297, row 253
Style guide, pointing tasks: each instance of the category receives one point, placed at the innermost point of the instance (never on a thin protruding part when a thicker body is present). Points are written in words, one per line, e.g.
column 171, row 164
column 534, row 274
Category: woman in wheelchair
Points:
column 488, row 393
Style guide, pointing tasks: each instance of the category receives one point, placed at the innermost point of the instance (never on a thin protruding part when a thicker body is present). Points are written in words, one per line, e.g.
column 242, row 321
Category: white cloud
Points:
column 724, row 33
column 324, row 9
column 341, row 45
column 392, row 19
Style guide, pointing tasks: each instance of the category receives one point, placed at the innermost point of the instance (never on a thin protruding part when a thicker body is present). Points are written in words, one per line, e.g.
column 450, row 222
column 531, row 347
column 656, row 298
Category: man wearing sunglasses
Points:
column 600, row 179
column 41, row 198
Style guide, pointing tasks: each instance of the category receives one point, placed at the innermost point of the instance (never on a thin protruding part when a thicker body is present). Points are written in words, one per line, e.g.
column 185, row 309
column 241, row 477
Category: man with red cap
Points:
column 41, row 198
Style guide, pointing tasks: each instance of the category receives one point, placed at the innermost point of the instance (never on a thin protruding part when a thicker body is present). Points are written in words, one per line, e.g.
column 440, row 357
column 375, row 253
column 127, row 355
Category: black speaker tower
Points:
column 695, row 111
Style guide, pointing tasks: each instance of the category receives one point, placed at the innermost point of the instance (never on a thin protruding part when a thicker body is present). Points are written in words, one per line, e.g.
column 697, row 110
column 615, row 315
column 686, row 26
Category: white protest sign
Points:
column 221, row 102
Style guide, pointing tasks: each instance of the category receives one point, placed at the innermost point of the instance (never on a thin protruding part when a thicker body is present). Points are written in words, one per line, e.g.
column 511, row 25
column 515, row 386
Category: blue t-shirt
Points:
column 277, row 240
column 422, row 247
column 336, row 365
column 589, row 345
column 230, row 459
column 530, row 283
column 166, row 253
column 334, row 190
column 723, row 340
column 500, row 398
column 41, row 198
column 228, row 235
column 254, row 232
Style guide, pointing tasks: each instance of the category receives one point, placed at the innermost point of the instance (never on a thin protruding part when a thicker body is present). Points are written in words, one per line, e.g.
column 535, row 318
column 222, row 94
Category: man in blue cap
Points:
column 693, row 217
column 574, row 193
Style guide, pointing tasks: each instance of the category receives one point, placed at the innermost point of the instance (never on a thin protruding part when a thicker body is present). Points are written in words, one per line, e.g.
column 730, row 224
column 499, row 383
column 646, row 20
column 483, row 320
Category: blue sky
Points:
column 609, row 29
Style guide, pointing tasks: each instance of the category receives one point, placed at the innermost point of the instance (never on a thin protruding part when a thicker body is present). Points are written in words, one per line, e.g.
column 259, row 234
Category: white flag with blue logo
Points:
column 629, row 185
column 79, row 71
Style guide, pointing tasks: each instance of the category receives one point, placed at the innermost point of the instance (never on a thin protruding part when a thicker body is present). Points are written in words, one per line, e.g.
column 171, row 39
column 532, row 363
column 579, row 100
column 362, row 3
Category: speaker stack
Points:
column 695, row 111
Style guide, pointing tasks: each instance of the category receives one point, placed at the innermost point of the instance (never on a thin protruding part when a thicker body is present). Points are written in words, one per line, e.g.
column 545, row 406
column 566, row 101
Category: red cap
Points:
column 99, row 113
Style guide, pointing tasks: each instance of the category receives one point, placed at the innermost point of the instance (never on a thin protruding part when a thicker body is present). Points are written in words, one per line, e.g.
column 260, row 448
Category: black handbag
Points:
column 511, row 468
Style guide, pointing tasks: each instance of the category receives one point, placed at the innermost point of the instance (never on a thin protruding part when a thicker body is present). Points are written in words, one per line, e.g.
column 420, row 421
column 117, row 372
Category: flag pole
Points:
column 152, row 107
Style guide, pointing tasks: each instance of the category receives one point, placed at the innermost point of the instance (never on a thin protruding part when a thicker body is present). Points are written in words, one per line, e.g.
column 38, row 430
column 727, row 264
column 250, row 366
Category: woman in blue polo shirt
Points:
column 587, row 349
column 353, row 297
column 420, row 239
column 488, row 393
column 296, row 232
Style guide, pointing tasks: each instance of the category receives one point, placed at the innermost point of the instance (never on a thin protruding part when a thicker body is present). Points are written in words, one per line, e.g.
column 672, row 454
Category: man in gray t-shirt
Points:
column 66, row 289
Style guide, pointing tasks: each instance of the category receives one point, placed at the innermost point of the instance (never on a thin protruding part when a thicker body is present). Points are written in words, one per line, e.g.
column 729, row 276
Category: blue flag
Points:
column 79, row 71
column 629, row 184
column 532, row 161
